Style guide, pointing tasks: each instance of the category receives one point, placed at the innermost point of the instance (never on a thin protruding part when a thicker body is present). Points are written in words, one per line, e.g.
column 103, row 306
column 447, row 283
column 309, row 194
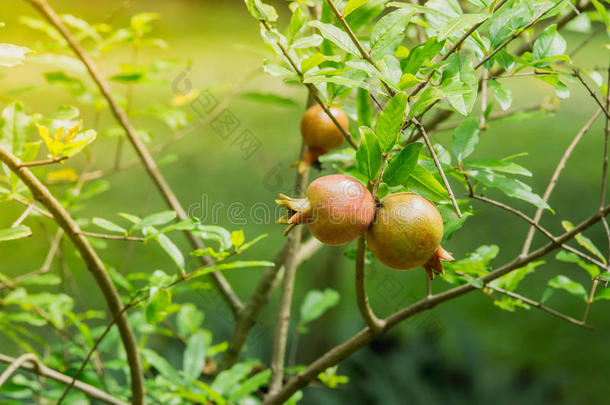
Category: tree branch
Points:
column 540, row 306
column 94, row 264
column 32, row 364
column 149, row 163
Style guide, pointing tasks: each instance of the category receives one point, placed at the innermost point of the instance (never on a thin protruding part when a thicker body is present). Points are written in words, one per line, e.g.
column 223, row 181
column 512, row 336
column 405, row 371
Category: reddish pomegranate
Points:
column 407, row 233
column 320, row 132
column 337, row 209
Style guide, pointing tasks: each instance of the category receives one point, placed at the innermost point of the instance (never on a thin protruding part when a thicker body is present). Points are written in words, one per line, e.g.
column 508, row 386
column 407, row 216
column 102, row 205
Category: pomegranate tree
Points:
column 407, row 233
column 337, row 209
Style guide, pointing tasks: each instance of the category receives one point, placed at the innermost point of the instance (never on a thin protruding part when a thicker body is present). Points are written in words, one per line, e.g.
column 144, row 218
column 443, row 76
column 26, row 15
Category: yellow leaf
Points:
column 66, row 174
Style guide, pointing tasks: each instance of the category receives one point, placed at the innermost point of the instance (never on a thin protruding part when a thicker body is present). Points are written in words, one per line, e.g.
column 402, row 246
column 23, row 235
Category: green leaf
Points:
column 194, row 355
column 254, row 241
column 157, row 308
column 427, row 97
column 603, row 295
column 307, row 42
column 510, row 187
column 548, row 44
column 14, row 127
column 171, row 249
column 584, row 241
column 458, row 25
column 12, row 55
column 189, row 319
column 498, row 165
column 460, row 72
column 161, row 365
column 336, row 36
column 261, row 11
column 237, row 238
column 316, row 303
column 390, row 121
column 353, row 5
column 502, row 94
column 159, row 218
column 477, row 262
column 424, row 183
column 251, row 386
column 269, row 98
column 215, row 233
column 238, row 264
column 388, row 33
column 561, row 90
column 402, row 165
column 564, row 283
column 604, row 277
column 465, row 138
column 109, row 226
column 43, row 279
column 603, row 12
column 364, row 108
column 421, row 54
column 570, row 257
column 475, row 282
column 17, row 232
column 368, row 155
column 511, row 281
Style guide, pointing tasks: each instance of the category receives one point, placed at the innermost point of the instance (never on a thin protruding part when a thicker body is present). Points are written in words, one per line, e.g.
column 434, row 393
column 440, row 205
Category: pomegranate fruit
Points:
column 337, row 209
column 407, row 233
column 320, row 133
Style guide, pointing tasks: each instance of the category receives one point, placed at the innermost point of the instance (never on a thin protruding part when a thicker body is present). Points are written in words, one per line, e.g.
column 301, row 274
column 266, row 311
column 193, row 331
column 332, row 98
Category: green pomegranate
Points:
column 407, row 233
column 320, row 133
column 337, row 209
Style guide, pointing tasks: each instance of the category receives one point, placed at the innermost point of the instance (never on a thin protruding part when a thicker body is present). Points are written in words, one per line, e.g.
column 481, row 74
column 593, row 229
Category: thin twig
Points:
column 591, row 93
column 23, row 216
column 422, row 130
column 44, row 162
column 34, row 365
column 555, row 177
column 604, row 185
column 539, row 305
column 495, row 116
column 113, row 237
column 539, row 227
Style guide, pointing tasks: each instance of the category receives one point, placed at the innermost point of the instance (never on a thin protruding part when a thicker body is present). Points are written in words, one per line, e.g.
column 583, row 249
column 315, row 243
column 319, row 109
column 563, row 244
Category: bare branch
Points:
column 591, row 93
column 33, row 365
column 539, row 305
